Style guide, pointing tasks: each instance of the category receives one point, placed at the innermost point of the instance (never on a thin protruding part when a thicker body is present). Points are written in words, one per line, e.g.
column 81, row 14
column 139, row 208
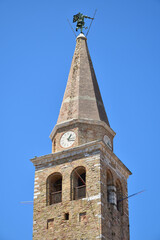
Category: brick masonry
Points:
column 103, row 220
column 85, row 132
column 97, row 215
column 82, row 98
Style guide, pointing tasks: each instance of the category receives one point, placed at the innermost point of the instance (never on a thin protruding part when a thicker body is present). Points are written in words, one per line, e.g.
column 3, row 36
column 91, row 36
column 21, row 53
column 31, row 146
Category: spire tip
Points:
column 81, row 35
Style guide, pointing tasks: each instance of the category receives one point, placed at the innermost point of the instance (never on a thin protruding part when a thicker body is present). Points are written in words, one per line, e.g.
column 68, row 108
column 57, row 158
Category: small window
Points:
column 54, row 145
column 83, row 217
column 66, row 216
column 50, row 223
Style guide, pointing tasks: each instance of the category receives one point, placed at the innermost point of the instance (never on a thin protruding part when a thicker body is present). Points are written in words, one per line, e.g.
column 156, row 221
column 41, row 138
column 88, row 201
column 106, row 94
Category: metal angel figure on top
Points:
column 79, row 18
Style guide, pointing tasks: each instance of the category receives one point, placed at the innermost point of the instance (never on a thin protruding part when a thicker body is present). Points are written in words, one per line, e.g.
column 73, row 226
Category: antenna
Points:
column 26, row 202
column 71, row 28
column 31, row 202
column 91, row 22
column 130, row 196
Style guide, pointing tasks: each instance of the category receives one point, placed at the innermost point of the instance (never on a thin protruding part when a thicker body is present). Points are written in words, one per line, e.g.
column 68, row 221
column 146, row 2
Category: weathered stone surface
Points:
column 82, row 108
column 82, row 98
column 72, row 228
column 98, row 215
column 102, row 218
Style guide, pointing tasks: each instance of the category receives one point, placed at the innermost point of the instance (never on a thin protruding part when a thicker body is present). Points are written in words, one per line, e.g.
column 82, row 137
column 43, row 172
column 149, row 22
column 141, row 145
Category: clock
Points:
column 67, row 139
column 107, row 141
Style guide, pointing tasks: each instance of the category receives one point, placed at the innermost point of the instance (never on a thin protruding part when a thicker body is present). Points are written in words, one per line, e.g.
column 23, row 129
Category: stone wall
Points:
column 115, row 223
column 85, row 133
column 49, row 221
column 92, row 217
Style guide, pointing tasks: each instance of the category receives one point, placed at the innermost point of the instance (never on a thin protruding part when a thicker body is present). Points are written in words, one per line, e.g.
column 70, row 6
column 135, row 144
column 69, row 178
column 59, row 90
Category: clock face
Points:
column 107, row 141
column 67, row 139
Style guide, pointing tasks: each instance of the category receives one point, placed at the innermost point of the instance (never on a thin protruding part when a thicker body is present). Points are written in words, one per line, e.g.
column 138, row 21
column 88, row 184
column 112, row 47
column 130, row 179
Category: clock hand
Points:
column 69, row 137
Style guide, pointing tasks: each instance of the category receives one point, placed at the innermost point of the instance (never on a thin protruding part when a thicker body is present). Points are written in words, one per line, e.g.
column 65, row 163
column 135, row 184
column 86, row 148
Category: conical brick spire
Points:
column 82, row 98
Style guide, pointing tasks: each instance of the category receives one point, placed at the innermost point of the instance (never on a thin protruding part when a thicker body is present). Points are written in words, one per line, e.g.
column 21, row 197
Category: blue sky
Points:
column 36, row 49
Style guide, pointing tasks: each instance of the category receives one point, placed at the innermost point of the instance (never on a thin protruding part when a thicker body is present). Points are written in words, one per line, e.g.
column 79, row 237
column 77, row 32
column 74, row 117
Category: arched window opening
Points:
column 54, row 188
column 119, row 197
column 78, row 184
column 111, row 190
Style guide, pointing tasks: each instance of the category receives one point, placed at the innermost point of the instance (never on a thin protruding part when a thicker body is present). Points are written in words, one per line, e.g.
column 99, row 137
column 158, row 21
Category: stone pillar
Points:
column 112, row 195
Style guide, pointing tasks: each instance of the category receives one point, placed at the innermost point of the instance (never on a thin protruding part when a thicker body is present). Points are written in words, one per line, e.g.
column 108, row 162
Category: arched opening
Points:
column 78, row 183
column 119, row 196
column 111, row 190
column 54, row 188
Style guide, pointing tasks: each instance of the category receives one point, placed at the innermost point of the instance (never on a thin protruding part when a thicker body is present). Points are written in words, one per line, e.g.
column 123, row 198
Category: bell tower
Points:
column 80, row 187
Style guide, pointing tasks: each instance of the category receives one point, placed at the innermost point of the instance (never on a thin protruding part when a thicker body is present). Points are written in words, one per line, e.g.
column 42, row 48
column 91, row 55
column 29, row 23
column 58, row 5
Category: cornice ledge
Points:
column 105, row 149
column 85, row 148
column 86, row 121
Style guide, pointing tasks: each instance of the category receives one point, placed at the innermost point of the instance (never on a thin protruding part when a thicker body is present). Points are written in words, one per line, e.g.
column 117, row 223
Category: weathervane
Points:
column 79, row 18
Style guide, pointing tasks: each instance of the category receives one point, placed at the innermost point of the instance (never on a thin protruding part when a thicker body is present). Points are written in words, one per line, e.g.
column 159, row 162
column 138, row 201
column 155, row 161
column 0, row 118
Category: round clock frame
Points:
column 68, row 139
column 107, row 141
